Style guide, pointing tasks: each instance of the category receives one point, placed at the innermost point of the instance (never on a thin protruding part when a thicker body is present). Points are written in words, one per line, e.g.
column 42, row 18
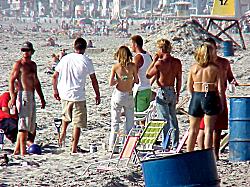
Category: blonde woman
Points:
column 203, row 81
column 123, row 76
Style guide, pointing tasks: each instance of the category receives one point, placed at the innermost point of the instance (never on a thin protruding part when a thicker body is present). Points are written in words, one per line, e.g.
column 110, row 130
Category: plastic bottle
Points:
column 13, row 110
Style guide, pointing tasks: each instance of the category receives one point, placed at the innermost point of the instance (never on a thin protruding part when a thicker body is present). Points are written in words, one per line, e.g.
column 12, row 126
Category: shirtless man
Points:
column 142, row 60
column 25, row 72
column 168, row 72
column 222, row 119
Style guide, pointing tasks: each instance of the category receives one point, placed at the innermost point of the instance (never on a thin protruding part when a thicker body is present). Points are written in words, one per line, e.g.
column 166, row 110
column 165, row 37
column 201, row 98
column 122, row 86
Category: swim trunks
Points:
column 204, row 103
column 142, row 100
column 27, row 111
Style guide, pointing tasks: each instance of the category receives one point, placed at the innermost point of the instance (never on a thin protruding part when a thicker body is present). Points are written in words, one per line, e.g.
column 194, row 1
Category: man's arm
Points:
column 152, row 70
column 54, row 84
column 178, row 82
column 138, row 60
column 13, row 76
column 230, row 76
column 135, row 74
column 221, row 89
column 39, row 89
column 153, row 78
column 96, row 88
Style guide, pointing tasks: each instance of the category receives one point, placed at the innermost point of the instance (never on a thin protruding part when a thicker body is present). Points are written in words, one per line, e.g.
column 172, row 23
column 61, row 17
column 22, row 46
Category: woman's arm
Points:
column 190, row 82
column 112, row 80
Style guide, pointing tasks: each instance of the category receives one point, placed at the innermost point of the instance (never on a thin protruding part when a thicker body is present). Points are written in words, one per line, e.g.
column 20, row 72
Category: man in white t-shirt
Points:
column 69, row 87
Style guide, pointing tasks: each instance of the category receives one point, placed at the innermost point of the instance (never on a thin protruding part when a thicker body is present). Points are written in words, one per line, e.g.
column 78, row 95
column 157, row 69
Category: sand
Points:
column 56, row 166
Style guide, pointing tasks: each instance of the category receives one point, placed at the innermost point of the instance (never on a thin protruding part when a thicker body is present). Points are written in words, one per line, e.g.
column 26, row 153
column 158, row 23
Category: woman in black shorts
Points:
column 205, row 85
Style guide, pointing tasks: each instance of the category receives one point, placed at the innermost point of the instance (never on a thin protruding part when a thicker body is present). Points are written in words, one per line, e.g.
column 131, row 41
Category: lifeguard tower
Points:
column 228, row 12
column 182, row 8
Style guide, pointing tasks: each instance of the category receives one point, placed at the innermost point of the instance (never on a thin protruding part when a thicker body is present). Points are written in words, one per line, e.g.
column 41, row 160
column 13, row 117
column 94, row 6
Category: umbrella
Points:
column 85, row 21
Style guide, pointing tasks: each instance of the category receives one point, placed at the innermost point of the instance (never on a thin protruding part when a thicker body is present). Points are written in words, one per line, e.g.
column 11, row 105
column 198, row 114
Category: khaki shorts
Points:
column 75, row 112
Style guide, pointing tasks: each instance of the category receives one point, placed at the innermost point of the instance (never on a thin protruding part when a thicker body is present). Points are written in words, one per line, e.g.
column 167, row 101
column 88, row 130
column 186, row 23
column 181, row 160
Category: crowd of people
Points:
column 133, row 77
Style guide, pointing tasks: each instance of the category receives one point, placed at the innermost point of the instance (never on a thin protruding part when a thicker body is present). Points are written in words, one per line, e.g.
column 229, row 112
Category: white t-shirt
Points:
column 73, row 70
column 144, row 82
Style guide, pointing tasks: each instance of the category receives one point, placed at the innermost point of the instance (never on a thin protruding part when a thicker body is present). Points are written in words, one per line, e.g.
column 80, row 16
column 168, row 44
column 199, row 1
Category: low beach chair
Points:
column 149, row 137
column 162, row 153
column 125, row 155
column 1, row 139
column 181, row 143
column 146, row 115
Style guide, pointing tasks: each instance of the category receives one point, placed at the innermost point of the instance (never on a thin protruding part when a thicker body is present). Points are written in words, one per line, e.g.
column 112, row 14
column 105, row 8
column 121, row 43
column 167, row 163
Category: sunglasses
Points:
column 25, row 50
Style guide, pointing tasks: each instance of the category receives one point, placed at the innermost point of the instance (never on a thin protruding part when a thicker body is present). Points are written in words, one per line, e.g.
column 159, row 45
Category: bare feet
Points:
column 61, row 141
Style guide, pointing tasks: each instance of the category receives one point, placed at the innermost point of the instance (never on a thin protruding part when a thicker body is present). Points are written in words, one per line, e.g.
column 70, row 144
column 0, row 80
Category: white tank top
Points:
column 144, row 83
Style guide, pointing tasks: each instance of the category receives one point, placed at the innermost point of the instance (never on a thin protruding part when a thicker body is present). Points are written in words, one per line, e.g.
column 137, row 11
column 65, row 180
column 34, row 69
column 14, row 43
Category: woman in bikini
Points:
column 123, row 76
column 203, row 81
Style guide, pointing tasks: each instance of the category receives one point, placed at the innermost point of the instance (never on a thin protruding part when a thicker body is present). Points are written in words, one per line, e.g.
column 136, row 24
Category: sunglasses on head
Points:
column 25, row 50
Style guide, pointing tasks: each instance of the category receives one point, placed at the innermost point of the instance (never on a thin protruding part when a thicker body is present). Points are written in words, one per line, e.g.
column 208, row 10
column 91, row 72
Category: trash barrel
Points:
column 197, row 168
column 239, row 129
column 228, row 49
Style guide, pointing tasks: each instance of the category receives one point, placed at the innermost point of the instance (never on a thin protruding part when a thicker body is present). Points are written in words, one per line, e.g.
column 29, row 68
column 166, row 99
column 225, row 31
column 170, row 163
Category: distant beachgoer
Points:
column 62, row 54
column 168, row 73
column 70, row 88
column 51, row 65
column 222, row 119
column 90, row 44
column 206, row 85
column 123, row 76
column 142, row 60
column 25, row 72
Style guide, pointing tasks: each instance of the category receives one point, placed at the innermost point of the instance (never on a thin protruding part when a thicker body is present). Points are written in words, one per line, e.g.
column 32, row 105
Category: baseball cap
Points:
column 27, row 46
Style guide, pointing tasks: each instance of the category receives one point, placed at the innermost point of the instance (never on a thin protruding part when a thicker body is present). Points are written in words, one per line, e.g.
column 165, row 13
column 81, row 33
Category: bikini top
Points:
column 205, row 84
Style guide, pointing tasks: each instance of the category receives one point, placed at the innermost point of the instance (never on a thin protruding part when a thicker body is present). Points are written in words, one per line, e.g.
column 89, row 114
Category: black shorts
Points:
column 204, row 103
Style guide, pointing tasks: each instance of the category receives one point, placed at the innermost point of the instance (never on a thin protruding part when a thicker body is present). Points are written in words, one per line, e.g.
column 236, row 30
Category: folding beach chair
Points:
column 178, row 149
column 180, row 145
column 1, row 139
column 126, row 154
column 149, row 137
column 146, row 115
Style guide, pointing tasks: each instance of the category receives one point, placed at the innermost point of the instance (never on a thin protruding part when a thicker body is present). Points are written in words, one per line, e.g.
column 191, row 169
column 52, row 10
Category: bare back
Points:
column 124, row 76
column 202, row 79
column 225, row 70
column 169, row 70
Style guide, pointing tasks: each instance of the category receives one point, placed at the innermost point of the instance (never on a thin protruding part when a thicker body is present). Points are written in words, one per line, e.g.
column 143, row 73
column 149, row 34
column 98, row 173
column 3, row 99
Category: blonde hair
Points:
column 164, row 44
column 205, row 54
column 124, row 56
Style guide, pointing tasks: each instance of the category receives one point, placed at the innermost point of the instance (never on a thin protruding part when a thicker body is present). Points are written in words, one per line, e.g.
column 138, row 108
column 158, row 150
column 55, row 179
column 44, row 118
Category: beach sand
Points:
column 56, row 166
